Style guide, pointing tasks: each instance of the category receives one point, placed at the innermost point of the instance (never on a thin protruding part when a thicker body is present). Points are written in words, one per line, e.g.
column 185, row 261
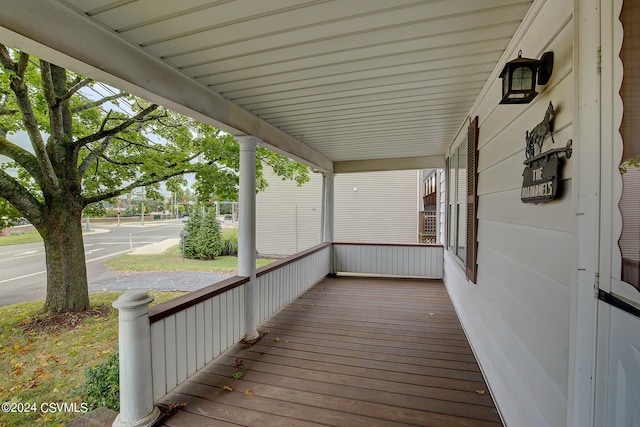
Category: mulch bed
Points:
column 62, row 321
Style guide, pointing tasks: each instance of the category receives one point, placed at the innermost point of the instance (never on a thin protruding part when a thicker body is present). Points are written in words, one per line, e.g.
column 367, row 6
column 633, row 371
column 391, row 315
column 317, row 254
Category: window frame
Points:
column 461, row 196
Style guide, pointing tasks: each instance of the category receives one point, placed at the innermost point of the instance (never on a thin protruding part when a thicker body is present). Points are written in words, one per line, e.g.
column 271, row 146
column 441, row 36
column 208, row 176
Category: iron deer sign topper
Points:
column 541, row 176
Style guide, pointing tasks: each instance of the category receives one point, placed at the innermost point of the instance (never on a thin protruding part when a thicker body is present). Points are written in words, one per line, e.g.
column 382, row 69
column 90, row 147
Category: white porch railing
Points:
column 393, row 259
column 190, row 331
column 283, row 281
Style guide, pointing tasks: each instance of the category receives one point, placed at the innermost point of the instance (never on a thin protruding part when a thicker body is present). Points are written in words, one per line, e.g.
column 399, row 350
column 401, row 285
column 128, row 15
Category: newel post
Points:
column 137, row 408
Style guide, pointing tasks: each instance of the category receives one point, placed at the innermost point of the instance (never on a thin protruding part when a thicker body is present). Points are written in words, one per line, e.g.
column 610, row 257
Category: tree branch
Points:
column 20, row 198
column 22, row 157
column 135, row 184
column 115, row 162
column 76, row 85
column 139, row 144
column 185, row 160
column 103, row 133
column 22, row 64
column 5, row 59
column 31, row 126
column 97, row 103
column 93, row 155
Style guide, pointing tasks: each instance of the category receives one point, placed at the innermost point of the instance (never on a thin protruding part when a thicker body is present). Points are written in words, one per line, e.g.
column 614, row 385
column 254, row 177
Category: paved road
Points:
column 22, row 267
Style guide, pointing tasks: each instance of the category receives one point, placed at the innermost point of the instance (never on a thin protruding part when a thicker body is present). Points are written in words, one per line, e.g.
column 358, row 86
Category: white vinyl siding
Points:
column 517, row 315
column 370, row 207
column 377, row 207
column 287, row 216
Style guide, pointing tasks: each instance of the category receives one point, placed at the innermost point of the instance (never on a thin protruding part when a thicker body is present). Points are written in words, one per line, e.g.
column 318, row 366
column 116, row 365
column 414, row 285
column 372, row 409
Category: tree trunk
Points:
column 67, row 286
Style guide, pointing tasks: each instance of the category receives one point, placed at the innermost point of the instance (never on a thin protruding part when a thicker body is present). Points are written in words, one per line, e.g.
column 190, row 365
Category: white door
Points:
column 617, row 391
column 623, row 377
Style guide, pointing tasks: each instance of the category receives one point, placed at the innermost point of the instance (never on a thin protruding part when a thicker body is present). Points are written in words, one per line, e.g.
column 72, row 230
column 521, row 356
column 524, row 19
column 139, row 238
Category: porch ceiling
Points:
column 337, row 84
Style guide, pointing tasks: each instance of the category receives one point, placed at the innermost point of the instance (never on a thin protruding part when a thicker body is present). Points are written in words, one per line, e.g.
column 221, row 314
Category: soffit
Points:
column 327, row 81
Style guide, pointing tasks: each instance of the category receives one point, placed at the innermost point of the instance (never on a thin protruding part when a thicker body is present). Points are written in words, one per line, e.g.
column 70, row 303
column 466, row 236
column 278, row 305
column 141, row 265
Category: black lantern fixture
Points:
column 519, row 78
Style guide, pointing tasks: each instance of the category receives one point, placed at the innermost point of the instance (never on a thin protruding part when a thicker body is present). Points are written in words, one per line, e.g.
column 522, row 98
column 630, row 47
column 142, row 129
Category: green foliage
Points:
column 204, row 241
column 8, row 214
column 633, row 163
column 95, row 210
column 102, row 385
column 230, row 241
column 118, row 142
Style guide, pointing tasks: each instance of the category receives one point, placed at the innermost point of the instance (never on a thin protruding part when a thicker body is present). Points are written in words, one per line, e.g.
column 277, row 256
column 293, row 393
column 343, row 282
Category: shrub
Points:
column 230, row 242
column 209, row 239
column 204, row 241
column 102, row 385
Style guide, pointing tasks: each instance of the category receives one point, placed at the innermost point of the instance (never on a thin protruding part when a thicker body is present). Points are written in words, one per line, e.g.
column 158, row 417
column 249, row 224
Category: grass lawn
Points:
column 43, row 359
column 171, row 260
column 20, row 238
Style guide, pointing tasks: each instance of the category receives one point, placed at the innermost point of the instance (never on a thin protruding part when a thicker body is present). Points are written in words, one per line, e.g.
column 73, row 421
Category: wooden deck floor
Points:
column 352, row 351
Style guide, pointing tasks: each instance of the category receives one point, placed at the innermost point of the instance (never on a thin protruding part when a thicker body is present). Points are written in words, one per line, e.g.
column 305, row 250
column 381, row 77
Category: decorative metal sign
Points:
column 541, row 176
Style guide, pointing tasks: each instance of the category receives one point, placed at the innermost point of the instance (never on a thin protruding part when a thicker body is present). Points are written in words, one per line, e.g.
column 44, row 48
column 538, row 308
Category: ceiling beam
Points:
column 63, row 36
column 400, row 163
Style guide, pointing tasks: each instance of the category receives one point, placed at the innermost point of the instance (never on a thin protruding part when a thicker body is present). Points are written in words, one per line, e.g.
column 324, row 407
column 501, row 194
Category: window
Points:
column 462, row 201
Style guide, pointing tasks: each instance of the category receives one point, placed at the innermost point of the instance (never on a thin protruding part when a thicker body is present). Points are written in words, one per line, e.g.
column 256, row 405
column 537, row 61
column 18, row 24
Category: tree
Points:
column 88, row 149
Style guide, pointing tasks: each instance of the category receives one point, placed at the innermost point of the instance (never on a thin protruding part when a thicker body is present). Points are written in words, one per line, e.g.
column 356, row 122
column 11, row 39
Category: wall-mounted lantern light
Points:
column 519, row 78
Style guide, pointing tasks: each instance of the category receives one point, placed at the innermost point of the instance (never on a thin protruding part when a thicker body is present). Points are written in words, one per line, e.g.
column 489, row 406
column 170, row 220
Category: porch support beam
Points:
column 247, row 230
column 400, row 163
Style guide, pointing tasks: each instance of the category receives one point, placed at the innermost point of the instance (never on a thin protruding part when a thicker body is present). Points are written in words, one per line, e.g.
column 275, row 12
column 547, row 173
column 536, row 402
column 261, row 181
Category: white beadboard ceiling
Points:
column 343, row 84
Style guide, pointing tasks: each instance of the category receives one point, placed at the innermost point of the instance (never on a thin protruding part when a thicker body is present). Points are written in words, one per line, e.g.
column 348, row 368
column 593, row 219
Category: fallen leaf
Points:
column 248, row 393
column 481, row 392
column 266, row 331
column 238, row 375
column 431, row 314
column 39, row 372
column 277, row 339
column 174, row 405
column 238, row 361
column 227, row 388
column 17, row 369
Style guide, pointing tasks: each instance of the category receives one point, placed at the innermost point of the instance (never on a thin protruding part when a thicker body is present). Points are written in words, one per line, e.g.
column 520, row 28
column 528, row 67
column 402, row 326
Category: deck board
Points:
column 352, row 351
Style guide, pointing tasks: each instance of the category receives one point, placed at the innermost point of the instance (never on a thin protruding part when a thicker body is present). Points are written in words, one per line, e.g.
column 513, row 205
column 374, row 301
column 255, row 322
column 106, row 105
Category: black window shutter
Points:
column 472, row 201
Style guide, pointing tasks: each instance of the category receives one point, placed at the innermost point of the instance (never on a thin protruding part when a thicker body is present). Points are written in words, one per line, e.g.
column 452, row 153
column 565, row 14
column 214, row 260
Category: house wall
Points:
column 378, row 207
column 287, row 216
column 517, row 315
column 371, row 207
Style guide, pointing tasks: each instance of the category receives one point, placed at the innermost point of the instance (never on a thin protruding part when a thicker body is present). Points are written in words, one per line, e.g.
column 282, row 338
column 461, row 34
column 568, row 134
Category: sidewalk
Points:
column 156, row 248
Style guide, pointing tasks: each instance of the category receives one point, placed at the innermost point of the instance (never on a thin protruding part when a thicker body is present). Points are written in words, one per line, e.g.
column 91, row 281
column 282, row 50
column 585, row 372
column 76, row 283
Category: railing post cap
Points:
column 132, row 299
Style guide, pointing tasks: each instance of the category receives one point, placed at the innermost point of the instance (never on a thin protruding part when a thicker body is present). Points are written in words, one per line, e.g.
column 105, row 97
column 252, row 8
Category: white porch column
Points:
column 136, row 387
column 323, row 200
column 328, row 188
column 328, row 203
column 247, row 230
